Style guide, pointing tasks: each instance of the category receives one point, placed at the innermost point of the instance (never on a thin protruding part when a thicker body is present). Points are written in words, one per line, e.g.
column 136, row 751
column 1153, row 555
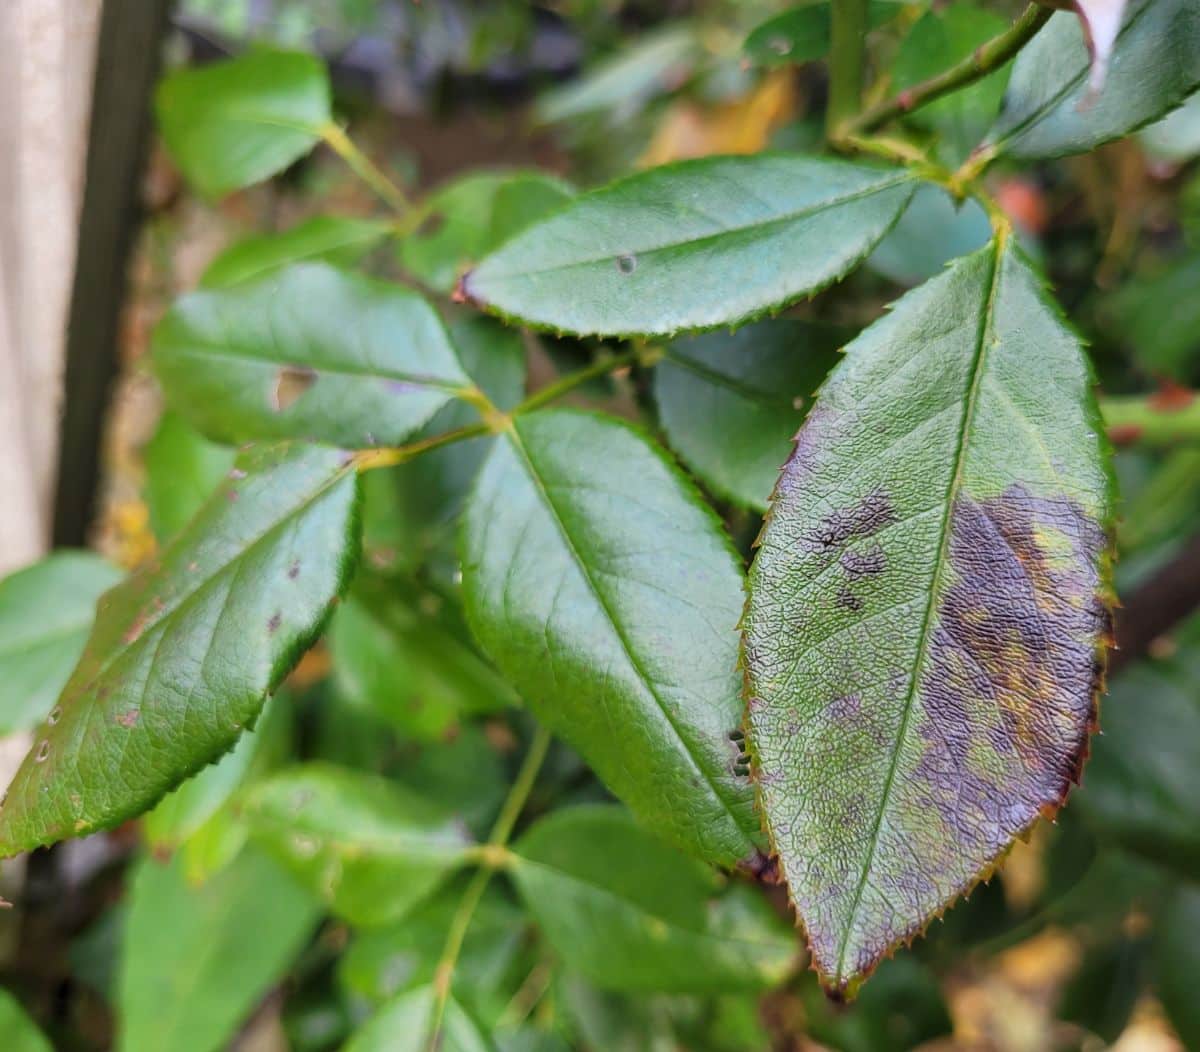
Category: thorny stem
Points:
column 494, row 856
column 1156, row 420
column 847, row 59
column 983, row 60
column 365, row 168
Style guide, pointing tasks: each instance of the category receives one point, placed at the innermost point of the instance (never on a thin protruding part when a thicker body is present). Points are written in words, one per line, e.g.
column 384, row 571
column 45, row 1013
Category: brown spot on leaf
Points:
column 291, row 382
column 129, row 718
column 275, row 621
column 865, row 563
column 294, row 570
column 848, row 600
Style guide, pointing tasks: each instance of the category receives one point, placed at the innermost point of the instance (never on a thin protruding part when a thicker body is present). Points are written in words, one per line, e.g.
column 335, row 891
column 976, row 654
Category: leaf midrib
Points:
column 977, row 370
column 730, row 383
column 780, row 220
column 519, row 445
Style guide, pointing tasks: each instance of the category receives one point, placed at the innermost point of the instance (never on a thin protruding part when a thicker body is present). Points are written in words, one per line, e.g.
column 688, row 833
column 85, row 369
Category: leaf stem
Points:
column 983, row 60
column 1161, row 419
column 497, row 842
column 600, row 367
column 368, row 459
column 366, row 169
column 847, row 60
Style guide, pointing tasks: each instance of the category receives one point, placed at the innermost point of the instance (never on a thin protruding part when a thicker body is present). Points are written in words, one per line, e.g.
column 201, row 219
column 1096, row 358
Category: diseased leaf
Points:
column 1050, row 108
column 309, row 352
column 46, row 611
column 631, row 913
column 928, row 610
column 609, row 595
column 408, row 1024
column 184, row 653
column 20, row 1032
column 693, row 245
column 238, row 122
column 196, row 961
column 182, row 469
column 730, row 403
column 370, row 848
column 327, row 239
column 466, row 219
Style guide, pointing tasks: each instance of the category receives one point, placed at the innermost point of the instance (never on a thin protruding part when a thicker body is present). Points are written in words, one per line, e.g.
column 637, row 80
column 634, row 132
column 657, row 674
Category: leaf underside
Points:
column 183, row 653
column 608, row 594
column 693, row 245
column 928, row 614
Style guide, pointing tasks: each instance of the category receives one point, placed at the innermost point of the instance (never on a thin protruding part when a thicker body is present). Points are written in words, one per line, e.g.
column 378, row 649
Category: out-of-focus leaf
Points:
column 369, row 848
column 466, row 219
column 1157, row 315
column 237, row 122
column 617, row 1022
column 1176, row 137
column 384, row 962
column 1050, row 109
column 184, row 652
column 930, row 232
column 632, row 913
column 730, row 403
column 182, row 469
column 694, row 245
column 928, row 608
column 607, row 592
column 801, row 33
column 1142, row 789
column 46, row 611
column 942, row 37
column 20, row 1032
column 654, row 64
column 307, row 352
column 327, row 239
column 408, row 1024
column 1100, row 996
column 197, row 960
column 1177, row 960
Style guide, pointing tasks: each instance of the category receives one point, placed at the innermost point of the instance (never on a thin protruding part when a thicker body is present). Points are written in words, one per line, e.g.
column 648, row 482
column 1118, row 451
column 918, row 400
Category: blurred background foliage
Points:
column 1089, row 935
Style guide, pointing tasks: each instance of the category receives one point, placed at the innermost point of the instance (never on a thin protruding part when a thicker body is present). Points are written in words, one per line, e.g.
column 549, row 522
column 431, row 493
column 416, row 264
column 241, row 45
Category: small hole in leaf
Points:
column 43, row 752
column 291, row 382
column 55, row 715
column 780, row 45
column 627, row 264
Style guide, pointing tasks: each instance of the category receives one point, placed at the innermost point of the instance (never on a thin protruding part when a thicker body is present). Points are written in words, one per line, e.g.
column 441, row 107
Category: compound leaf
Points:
column 309, row 352
column 238, row 122
column 927, row 615
column 370, row 848
column 184, row 653
column 631, row 913
column 1052, row 108
column 693, row 245
column 409, row 1023
column 608, row 594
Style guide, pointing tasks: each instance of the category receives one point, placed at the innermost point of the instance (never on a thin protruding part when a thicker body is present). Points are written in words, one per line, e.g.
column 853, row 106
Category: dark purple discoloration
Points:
column 275, row 621
column 867, row 517
column 848, row 600
column 865, row 563
column 1014, row 665
column 294, row 570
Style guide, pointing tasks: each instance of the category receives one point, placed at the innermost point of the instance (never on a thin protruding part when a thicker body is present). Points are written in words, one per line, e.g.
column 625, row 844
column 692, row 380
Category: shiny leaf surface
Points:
column 692, row 245
column 927, row 612
column 609, row 595
column 408, row 1024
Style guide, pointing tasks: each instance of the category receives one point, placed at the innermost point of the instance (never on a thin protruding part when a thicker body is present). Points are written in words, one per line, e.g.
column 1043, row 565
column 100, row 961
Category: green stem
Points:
column 600, row 367
column 983, row 60
column 847, row 60
column 1153, row 420
column 496, row 851
column 365, row 169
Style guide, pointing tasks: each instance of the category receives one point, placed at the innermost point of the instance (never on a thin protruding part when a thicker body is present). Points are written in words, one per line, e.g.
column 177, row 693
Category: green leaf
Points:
column 196, row 961
column 184, row 653
column 730, row 403
column 631, row 913
column 235, row 123
column 932, row 231
column 1050, row 108
column 1101, row 995
column 393, row 656
column 1143, row 785
column 324, row 239
column 1176, row 138
column 609, row 595
column 309, row 352
column 182, row 469
column 466, row 219
column 1177, row 955
column 46, row 611
column 1157, row 315
column 407, row 1024
column 370, row 848
column 692, row 245
column 928, row 608
column 941, row 38
column 20, row 1032
column 801, row 33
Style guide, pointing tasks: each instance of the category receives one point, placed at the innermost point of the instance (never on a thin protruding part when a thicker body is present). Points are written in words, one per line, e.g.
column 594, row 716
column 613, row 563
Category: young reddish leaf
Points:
column 928, row 610
column 184, row 653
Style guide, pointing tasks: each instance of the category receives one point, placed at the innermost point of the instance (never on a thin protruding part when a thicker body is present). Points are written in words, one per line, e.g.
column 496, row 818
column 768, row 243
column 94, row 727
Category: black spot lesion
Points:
column 866, row 563
column 867, row 517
